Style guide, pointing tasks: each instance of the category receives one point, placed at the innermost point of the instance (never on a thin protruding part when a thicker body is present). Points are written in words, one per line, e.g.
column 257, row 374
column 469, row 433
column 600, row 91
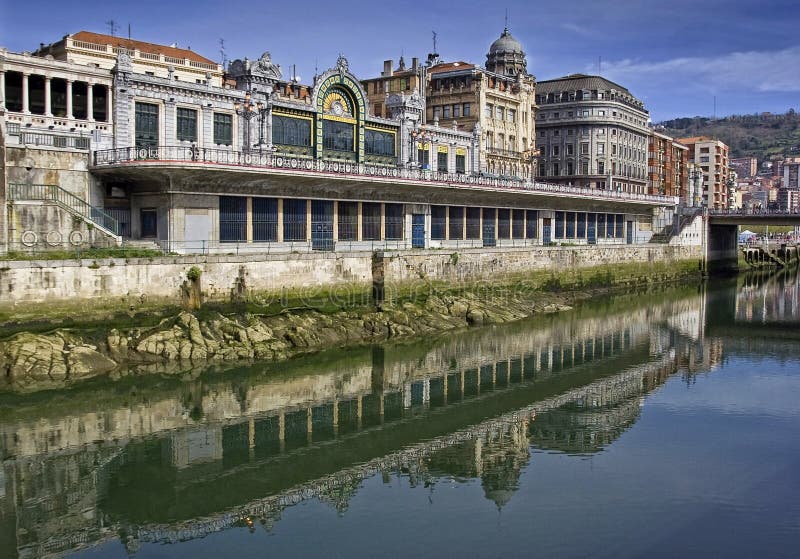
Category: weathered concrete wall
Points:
column 65, row 280
column 41, row 226
column 486, row 264
column 222, row 276
column 67, row 169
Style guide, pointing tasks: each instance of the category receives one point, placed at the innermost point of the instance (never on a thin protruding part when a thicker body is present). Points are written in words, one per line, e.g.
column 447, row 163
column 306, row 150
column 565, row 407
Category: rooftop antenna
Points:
column 222, row 55
column 112, row 27
column 506, row 19
column 129, row 31
column 434, row 43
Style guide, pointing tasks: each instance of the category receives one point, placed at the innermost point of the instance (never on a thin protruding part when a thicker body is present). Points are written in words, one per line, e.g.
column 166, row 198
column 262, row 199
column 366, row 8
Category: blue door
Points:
column 489, row 236
column 547, row 232
column 629, row 233
column 321, row 225
column 418, row 231
column 591, row 230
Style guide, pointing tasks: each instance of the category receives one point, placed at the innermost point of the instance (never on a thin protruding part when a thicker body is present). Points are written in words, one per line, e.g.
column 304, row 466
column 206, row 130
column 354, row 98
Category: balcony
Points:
column 212, row 158
column 504, row 152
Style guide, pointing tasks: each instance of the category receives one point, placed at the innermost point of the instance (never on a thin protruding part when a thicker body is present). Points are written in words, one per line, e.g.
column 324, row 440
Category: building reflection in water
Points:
column 165, row 461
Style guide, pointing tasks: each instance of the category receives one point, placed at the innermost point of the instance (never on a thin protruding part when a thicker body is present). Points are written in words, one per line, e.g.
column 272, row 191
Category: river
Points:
column 660, row 424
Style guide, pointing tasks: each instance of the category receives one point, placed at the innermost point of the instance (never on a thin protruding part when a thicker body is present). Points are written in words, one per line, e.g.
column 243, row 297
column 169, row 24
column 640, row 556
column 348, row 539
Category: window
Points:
column 437, row 113
column 265, row 219
column 289, row 131
column 570, row 149
column 542, row 171
column 446, row 111
column 581, row 231
column 294, row 220
column 393, row 229
column 423, row 155
column 338, row 136
column 559, row 233
column 601, row 149
column 186, row 125
column 570, row 132
column 585, row 113
column 377, row 142
column 466, row 109
column 704, row 159
column 223, row 129
column 498, row 113
column 232, row 219
column 371, row 221
column 531, row 224
column 585, row 168
column 601, row 113
column 601, row 168
column 456, row 222
column 488, row 111
column 570, row 168
column 518, row 224
column 473, row 223
column 438, row 219
column 441, row 161
column 556, row 169
column 348, row 221
column 456, row 111
column 556, row 151
column 570, row 225
column 584, row 148
column 503, row 224
column 512, row 115
column 461, row 163
column 146, row 115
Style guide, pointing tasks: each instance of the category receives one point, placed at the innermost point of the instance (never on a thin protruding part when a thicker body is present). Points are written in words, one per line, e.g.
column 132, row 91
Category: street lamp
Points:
column 248, row 111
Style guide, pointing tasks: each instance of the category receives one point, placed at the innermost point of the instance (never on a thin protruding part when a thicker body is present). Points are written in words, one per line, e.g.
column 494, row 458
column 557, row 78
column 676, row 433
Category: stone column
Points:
column 69, row 99
column 280, row 220
column 383, row 222
column 249, row 226
column 447, row 222
column 109, row 104
column 48, row 108
column 2, row 88
column 26, row 107
column 308, row 220
column 89, row 102
column 359, row 221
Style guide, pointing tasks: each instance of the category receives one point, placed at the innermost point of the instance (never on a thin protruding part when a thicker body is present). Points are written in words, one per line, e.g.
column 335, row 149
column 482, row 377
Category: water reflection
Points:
column 162, row 460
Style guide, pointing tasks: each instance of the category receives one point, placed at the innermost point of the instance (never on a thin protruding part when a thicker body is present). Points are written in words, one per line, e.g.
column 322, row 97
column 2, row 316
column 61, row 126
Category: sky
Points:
column 677, row 56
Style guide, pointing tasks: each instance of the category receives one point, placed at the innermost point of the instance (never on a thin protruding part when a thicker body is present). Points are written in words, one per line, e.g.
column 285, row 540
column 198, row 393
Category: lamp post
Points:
column 530, row 156
column 248, row 111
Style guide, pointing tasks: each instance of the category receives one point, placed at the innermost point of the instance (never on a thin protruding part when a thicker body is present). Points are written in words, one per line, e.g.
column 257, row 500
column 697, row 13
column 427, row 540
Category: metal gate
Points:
column 591, row 229
column 321, row 225
column 547, row 231
column 489, row 233
column 417, row 230
column 629, row 233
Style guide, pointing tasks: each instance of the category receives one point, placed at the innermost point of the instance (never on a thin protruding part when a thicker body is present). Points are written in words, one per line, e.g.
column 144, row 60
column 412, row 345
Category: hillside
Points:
column 763, row 135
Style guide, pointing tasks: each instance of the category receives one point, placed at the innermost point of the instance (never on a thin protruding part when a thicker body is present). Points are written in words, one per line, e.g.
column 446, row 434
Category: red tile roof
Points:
column 152, row 48
column 450, row 67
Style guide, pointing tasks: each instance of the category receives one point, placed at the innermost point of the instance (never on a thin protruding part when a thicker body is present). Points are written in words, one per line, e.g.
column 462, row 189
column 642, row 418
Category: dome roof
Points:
column 506, row 43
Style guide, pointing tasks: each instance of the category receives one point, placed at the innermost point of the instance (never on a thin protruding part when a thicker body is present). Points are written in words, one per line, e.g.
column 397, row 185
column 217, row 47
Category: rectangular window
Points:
column 423, row 155
column 512, row 115
column 446, row 111
column 503, row 223
column 473, row 223
column 585, row 168
column 441, row 161
column 556, row 169
column 570, row 225
column 570, row 149
column 290, row 131
column 232, row 219
column 377, row 142
column 570, row 168
column 584, row 148
column 581, row 232
column 393, row 229
column 265, row 219
column 456, row 222
column 437, row 113
column 618, row 229
column 186, row 129
column 461, row 164
column 498, row 113
column 223, row 129
column 488, row 111
column 601, row 149
column 456, row 111
column 542, row 170
column 348, row 221
column 610, row 226
column 531, row 224
column 601, row 168
column 556, row 151
column 518, row 224
column 294, row 220
column 438, row 219
column 338, row 136
column 146, row 116
column 466, row 109
column 601, row 226
column 559, row 234
column 371, row 221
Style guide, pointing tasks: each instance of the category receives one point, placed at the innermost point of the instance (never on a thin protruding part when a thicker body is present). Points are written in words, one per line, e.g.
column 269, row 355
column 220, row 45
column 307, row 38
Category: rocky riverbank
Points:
column 188, row 341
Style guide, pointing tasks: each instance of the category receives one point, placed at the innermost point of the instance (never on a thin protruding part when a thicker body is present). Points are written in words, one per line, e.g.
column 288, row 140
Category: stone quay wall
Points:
column 225, row 277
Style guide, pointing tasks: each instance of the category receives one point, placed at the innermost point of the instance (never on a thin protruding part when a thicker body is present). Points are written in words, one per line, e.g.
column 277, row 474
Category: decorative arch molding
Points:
column 338, row 96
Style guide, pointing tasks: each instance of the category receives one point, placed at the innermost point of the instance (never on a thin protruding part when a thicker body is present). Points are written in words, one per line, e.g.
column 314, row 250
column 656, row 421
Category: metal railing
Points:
column 66, row 200
column 753, row 212
column 52, row 140
column 267, row 160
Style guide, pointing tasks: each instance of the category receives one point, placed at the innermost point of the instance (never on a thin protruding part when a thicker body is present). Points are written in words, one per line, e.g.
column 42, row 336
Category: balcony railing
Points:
column 192, row 155
column 504, row 152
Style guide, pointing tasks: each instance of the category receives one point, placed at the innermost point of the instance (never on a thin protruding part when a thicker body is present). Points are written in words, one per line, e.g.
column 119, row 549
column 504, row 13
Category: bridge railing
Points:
column 753, row 212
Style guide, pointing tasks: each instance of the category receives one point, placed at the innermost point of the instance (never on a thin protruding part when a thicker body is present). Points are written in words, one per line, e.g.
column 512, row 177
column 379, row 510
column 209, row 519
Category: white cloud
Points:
column 754, row 71
column 577, row 29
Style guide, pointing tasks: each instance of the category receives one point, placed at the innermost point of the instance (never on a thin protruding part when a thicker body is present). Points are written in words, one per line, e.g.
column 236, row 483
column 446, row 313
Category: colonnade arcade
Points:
column 55, row 96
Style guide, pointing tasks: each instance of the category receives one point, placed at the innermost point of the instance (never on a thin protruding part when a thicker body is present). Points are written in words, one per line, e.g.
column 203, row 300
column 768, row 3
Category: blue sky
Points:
column 676, row 55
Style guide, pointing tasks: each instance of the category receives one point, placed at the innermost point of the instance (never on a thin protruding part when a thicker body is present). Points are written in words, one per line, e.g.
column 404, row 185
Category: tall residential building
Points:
column 593, row 133
column 497, row 102
column 712, row 157
column 667, row 170
column 745, row 166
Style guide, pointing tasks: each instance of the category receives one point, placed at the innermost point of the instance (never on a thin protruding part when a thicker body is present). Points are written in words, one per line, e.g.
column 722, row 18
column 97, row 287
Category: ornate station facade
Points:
column 254, row 162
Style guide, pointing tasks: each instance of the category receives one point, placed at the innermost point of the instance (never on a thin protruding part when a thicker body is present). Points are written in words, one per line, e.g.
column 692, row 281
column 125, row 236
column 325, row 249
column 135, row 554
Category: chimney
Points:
column 387, row 68
column 415, row 64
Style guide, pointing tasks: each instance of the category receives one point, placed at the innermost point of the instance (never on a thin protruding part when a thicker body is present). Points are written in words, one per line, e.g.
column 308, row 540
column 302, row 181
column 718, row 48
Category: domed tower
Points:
column 506, row 56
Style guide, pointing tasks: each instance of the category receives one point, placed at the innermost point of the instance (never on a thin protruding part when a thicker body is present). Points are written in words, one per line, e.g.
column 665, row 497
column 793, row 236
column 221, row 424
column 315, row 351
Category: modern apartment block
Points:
column 667, row 170
column 712, row 157
column 745, row 166
column 592, row 132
